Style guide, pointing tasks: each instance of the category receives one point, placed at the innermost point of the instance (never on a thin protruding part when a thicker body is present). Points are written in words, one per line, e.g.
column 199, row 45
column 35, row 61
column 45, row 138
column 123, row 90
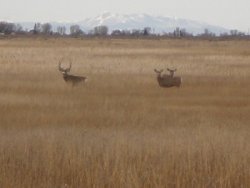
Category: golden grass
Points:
column 121, row 129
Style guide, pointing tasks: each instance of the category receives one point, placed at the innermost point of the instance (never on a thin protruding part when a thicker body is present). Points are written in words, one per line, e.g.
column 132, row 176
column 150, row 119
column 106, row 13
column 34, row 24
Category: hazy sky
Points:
column 228, row 13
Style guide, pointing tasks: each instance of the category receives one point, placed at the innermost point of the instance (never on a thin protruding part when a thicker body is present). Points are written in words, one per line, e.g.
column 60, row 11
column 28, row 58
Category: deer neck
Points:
column 159, row 78
column 65, row 76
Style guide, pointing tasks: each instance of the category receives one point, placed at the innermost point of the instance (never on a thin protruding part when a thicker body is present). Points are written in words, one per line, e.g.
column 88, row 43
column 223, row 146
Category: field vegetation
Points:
column 121, row 129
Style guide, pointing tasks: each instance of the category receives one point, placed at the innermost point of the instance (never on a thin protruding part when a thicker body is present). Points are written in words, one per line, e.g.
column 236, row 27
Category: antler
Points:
column 68, row 69
column 62, row 69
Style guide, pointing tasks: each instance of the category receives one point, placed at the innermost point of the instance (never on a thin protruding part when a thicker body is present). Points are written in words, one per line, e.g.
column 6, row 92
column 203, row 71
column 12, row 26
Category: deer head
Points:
column 171, row 71
column 158, row 72
column 65, row 71
column 165, row 80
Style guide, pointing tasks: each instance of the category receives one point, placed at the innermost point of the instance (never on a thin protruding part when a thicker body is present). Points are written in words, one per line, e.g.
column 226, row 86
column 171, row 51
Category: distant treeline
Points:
column 47, row 29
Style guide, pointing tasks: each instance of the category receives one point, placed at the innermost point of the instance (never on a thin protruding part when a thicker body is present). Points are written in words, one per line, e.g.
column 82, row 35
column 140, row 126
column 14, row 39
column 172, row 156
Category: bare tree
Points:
column 116, row 33
column 61, row 30
column 146, row 31
column 101, row 30
column 7, row 28
column 18, row 28
column 75, row 30
column 136, row 32
column 37, row 28
column 46, row 28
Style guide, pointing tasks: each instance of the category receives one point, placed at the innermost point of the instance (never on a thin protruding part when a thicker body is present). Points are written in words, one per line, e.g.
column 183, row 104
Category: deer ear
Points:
column 158, row 71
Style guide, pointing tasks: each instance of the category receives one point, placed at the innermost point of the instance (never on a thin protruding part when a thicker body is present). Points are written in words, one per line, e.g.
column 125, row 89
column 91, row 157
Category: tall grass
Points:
column 121, row 129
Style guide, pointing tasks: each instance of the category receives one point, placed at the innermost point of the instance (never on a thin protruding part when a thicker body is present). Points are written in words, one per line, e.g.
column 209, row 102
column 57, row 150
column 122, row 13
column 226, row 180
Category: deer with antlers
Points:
column 74, row 80
column 170, row 80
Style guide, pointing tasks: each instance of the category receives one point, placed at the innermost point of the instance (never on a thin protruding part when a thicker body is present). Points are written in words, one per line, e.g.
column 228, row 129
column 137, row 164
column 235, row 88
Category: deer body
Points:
column 168, row 80
column 74, row 80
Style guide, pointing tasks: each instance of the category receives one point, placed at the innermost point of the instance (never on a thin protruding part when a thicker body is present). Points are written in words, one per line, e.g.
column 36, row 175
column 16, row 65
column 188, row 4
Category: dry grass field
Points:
column 120, row 129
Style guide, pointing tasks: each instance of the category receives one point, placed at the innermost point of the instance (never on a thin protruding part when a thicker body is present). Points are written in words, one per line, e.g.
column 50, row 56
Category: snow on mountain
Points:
column 159, row 24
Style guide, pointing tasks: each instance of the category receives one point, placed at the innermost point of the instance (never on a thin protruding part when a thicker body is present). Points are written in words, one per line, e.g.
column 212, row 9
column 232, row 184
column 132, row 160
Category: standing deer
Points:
column 74, row 80
column 170, row 80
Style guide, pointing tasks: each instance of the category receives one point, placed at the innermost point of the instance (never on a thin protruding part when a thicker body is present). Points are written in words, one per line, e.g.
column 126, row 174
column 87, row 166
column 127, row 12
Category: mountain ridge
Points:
column 158, row 24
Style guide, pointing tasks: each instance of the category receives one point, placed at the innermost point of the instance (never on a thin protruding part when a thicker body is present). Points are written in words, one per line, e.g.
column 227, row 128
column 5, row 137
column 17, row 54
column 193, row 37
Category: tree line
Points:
column 75, row 30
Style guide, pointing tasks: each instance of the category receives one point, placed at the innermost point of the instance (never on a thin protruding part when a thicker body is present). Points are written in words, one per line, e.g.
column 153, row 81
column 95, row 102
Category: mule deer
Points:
column 170, row 80
column 74, row 80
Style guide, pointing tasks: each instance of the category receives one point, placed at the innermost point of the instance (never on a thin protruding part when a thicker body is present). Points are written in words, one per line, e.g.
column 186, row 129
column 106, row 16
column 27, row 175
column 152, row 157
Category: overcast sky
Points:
column 233, row 14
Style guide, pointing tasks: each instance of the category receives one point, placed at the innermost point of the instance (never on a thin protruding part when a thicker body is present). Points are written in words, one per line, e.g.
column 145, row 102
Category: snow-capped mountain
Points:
column 158, row 24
